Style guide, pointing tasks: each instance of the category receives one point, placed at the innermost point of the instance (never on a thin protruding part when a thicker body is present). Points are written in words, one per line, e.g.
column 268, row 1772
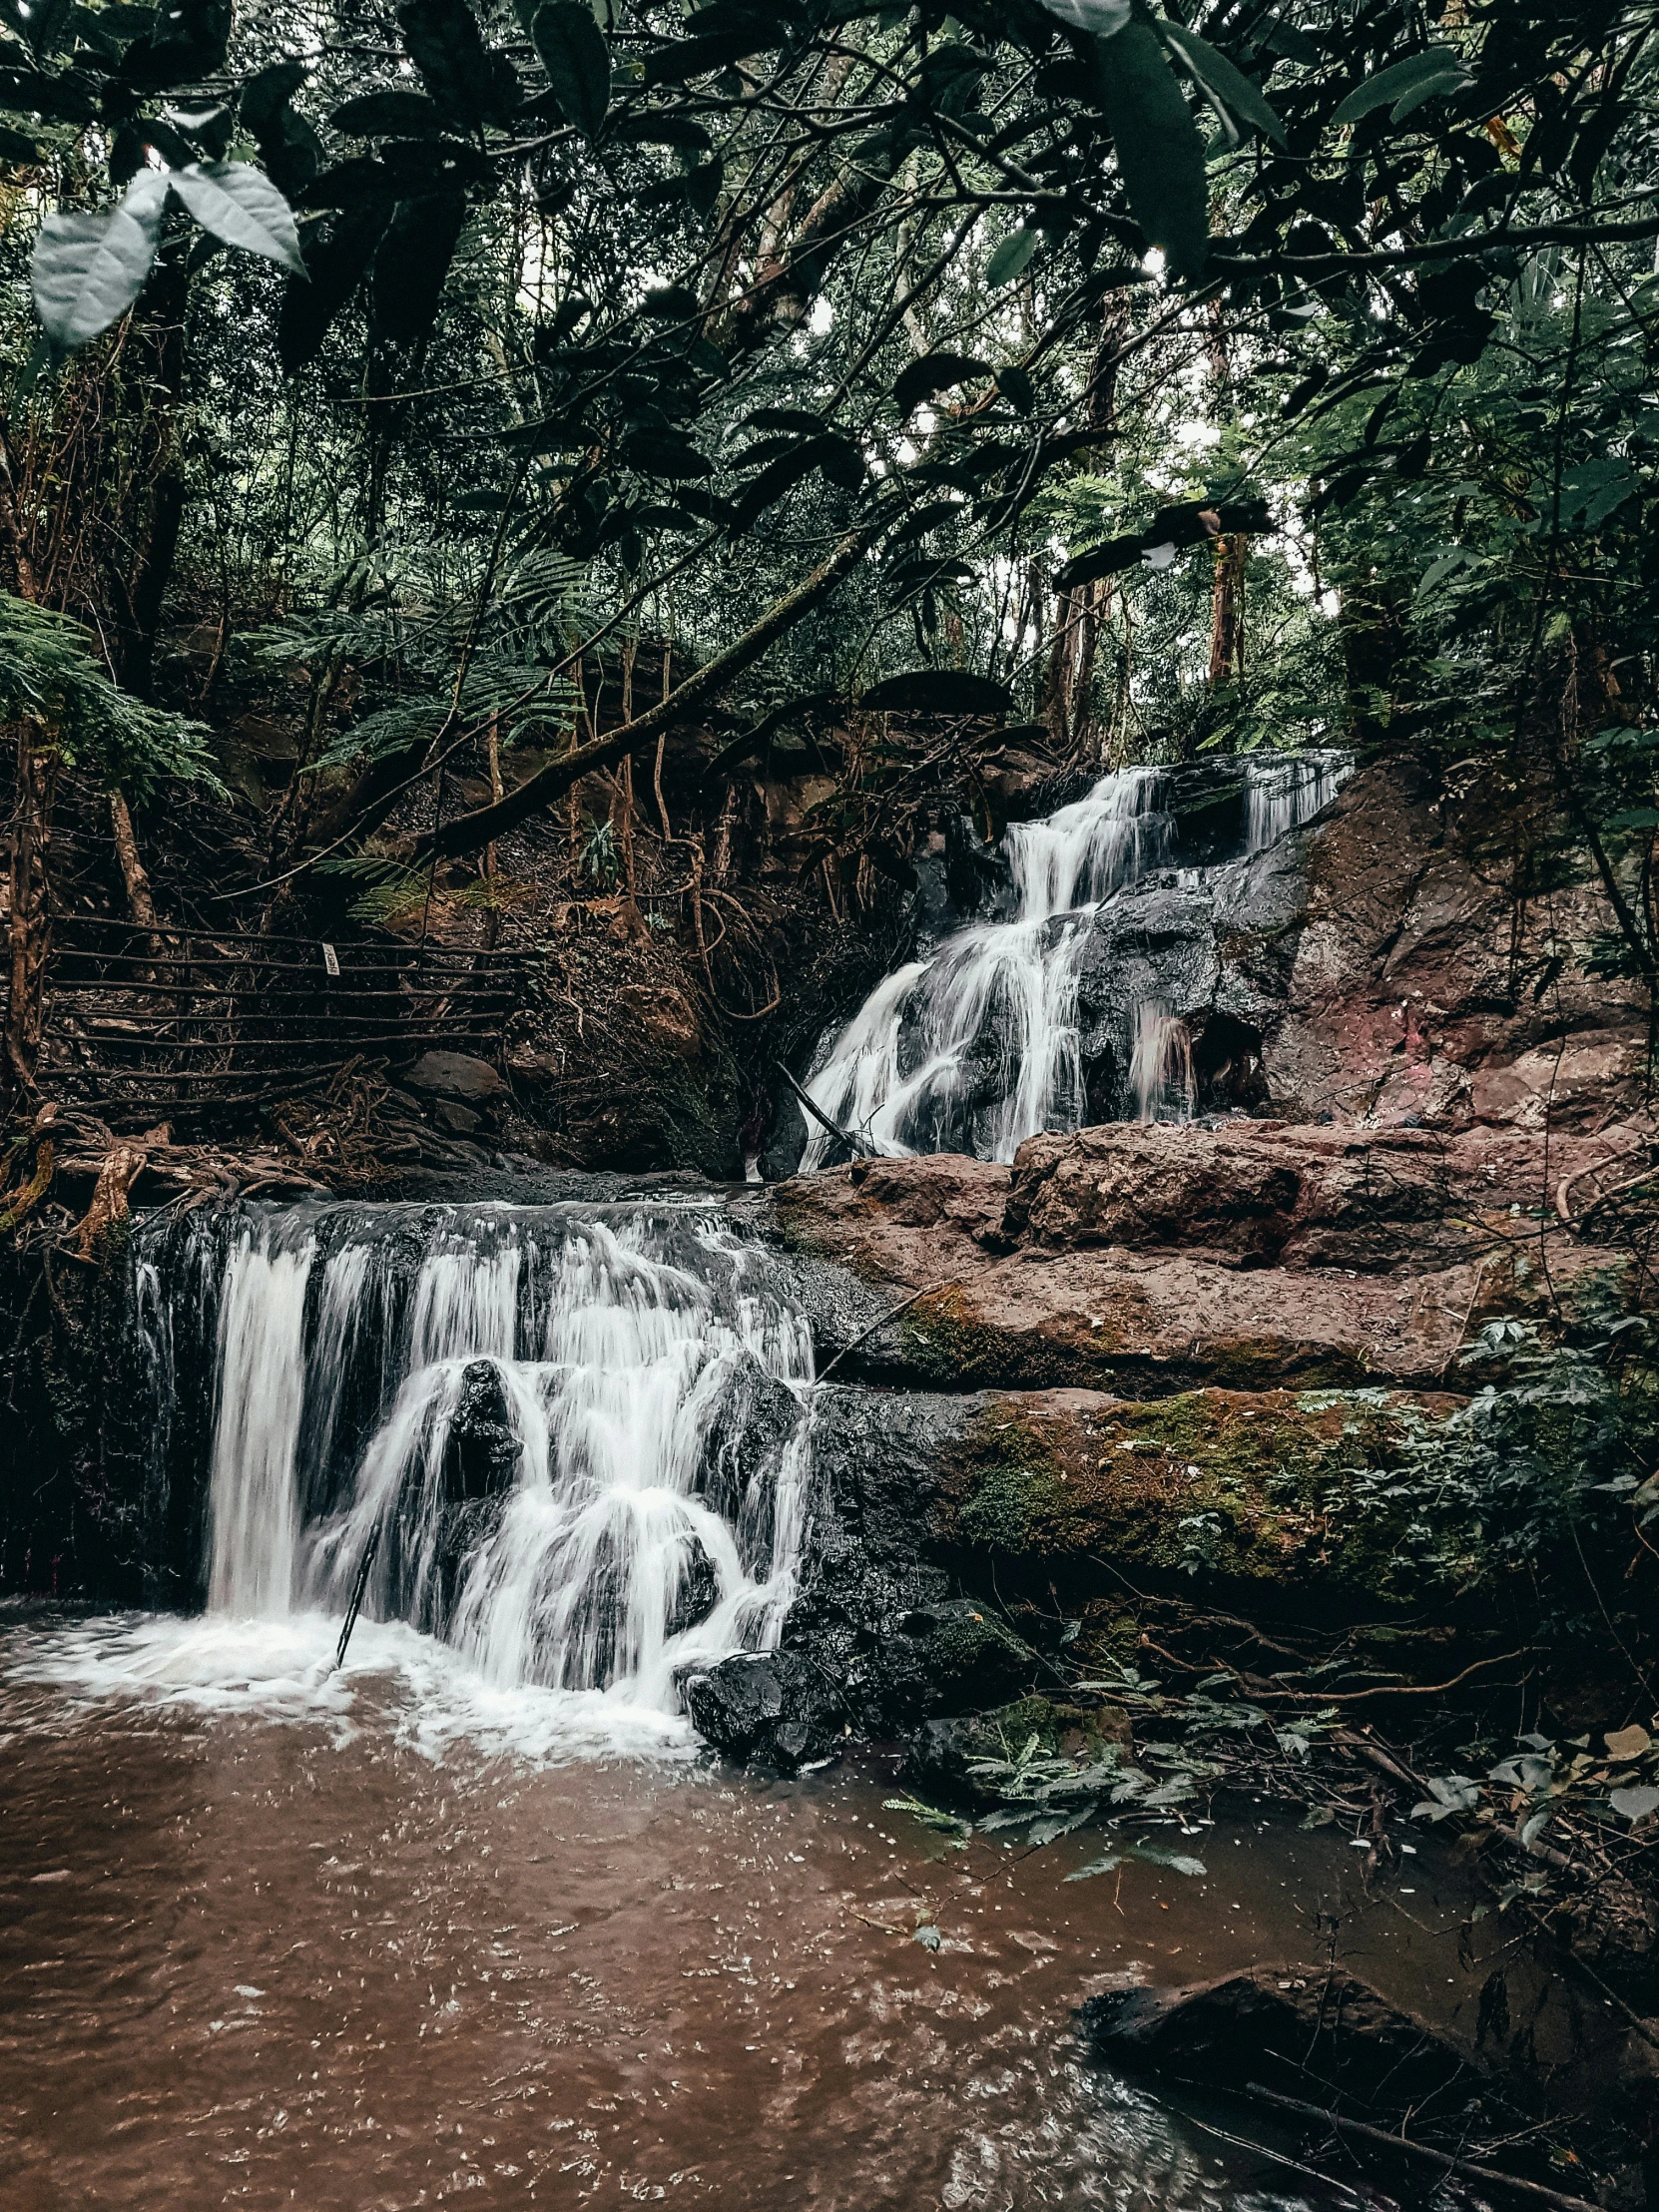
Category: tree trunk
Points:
column 140, row 902
column 30, row 922
column 1227, row 610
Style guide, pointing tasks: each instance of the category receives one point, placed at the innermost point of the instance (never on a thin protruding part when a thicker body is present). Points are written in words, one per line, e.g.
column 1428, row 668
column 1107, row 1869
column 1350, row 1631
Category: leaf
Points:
column 1159, row 153
column 578, row 64
column 1109, row 1865
column 238, row 203
column 468, row 82
column 412, row 264
column 289, row 147
column 1634, row 1803
column 1227, row 86
column 1627, row 1743
column 1102, row 18
column 937, row 690
column 87, row 269
column 1161, row 1855
column 1400, row 82
column 1012, row 256
column 337, row 265
column 1017, row 387
column 665, row 454
column 934, row 373
column 395, row 113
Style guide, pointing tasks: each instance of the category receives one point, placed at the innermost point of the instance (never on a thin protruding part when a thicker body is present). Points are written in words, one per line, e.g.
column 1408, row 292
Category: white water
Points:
column 977, row 1048
column 642, row 1496
column 1283, row 793
column 898, row 1071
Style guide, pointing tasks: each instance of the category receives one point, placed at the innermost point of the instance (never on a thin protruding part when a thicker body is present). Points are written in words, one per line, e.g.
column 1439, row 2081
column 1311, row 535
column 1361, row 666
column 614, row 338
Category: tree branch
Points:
column 471, row 831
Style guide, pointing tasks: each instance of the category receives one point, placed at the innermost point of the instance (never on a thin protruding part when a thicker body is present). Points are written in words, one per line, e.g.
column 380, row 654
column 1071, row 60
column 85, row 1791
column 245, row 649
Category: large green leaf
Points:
column 1159, row 153
column 289, row 147
column 1012, row 256
column 1229, row 88
column 665, row 454
column 238, row 203
column 335, row 266
column 578, row 63
column 937, row 690
column 393, row 114
column 934, row 373
column 88, row 269
column 1101, row 18
column 1404, row 83
column 468, row 82
column 412, row 264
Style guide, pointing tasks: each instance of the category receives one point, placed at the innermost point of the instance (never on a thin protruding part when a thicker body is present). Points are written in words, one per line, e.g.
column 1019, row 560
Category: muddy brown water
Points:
column 268, row 1938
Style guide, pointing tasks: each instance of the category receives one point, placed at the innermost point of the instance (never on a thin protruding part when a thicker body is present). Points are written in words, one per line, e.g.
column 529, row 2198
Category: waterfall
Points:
column 1284, row 791
column 978, row 1045
column 1161, row 1065
column 904, row 1070
column 578, row 1439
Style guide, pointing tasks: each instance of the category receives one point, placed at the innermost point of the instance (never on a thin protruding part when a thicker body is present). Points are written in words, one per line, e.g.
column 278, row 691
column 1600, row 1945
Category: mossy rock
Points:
column 1217, row 1485
column 941, row 1752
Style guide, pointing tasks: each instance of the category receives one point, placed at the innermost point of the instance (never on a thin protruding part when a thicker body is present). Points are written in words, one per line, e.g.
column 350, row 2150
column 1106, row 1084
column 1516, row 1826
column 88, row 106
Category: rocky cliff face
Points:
column 1160, row 1357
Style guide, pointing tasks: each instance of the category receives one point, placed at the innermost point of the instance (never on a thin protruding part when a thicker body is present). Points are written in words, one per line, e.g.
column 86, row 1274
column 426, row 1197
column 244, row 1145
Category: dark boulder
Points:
column 698, row 1591
column 1303, row 2031
column 484, row 1448
column 456, row 1075
column 767, row 1706
column 941, row 1753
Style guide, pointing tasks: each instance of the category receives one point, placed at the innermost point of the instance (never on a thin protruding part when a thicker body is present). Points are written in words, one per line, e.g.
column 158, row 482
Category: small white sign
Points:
column 331, row 959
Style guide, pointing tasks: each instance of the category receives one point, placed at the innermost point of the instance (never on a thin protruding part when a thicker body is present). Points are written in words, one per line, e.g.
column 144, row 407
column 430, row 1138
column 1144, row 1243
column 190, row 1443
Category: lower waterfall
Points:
column 577, row 1438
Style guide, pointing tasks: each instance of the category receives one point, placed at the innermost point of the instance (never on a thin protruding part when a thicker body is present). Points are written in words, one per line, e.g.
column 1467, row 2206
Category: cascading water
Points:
column 578, row 1439
column 899, row 1071
column 978, row 1045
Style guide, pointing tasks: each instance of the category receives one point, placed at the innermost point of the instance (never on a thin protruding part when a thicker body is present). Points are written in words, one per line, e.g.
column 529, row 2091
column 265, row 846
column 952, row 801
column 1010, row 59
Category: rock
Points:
column 1307, row 2032
column 698, row 1591
column 449, row 1113
column 1323, row 1257
column 940, row 1752
column 483, row 1452
column 456, row 1075
column 761, row 1706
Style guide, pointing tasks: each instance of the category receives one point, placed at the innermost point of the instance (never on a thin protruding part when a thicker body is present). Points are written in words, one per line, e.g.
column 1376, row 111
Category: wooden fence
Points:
column 160, row 1021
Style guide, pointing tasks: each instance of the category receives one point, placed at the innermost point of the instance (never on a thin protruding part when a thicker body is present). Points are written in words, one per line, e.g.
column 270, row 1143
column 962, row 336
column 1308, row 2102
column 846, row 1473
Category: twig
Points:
column 357, row 1590
column 1403, row 2147
column 891, row 1315
column 816, row 1111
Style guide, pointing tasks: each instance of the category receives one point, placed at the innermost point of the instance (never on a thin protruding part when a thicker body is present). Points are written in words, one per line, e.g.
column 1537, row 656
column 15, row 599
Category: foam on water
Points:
column 570, row 1451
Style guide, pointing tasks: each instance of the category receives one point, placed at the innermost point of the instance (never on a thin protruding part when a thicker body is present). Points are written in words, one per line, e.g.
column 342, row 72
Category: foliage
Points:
column 48, row 677
column 1565, row 1418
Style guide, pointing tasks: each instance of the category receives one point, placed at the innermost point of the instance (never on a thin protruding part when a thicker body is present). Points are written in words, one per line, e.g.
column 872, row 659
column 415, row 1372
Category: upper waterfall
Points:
column 978, row 1044
column 576, row 1440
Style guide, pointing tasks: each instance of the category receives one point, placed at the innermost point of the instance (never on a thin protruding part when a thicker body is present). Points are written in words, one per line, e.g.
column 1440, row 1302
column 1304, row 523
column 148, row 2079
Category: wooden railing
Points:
column 165, row 1020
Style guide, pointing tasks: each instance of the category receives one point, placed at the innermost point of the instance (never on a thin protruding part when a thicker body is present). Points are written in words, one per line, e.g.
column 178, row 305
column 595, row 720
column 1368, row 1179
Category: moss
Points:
column 1233, row 1485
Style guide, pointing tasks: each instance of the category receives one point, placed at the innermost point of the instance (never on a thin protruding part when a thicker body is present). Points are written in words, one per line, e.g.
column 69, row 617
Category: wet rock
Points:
column 484, row 1448
column 763, row 1707
column 940, row 1752
column 1305, row 2032
column 456, row 1075
column 698, row 1591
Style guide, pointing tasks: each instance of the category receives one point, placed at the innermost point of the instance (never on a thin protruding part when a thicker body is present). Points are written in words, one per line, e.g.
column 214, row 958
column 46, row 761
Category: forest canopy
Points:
column 1197, row 378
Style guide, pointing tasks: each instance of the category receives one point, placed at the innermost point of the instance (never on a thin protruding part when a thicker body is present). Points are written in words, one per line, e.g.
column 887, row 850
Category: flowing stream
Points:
column 396, row 1937
column 908, row 1073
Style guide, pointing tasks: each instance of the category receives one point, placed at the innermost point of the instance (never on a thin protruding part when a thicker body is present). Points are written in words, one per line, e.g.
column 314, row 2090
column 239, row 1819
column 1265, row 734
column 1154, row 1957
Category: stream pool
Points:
column 386, row 1938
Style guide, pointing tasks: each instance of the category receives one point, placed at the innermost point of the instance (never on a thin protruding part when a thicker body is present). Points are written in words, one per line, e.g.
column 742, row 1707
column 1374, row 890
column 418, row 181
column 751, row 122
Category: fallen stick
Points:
column 1403, row 2147
column 816, row 1111
column 358, row 1589
column 864, row 1335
